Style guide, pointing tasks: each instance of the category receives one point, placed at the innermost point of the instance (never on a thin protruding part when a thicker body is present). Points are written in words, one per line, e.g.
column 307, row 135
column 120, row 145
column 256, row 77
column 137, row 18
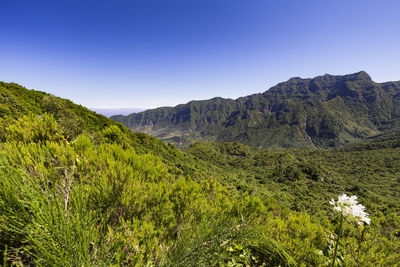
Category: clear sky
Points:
column 149, row 53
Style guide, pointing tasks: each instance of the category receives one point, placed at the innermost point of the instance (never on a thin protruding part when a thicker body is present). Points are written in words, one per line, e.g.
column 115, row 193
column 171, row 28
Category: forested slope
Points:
column 326, row 111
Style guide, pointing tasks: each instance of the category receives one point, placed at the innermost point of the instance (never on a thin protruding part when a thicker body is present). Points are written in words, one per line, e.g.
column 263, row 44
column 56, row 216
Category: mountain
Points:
column 326, row 111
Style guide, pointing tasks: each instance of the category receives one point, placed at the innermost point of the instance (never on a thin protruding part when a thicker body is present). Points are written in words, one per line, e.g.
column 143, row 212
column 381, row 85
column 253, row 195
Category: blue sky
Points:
column 149, row 53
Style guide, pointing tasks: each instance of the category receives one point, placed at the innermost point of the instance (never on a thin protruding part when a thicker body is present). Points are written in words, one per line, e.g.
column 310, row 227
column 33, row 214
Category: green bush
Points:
column 30, row 128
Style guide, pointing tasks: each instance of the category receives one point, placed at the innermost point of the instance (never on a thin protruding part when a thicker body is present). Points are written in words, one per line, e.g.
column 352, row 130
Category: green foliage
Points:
column 305, row 181
column 228, row 242
column 114, row 135
column 78, row 189
column 76, row 203
column 29, row 129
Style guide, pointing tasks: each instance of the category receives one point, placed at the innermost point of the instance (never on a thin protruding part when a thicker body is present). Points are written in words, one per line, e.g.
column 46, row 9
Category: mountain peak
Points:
column 362, row 75
column 295, row 79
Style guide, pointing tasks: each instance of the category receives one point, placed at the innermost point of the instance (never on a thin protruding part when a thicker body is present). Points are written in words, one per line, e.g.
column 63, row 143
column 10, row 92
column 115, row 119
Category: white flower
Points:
column 349, row 208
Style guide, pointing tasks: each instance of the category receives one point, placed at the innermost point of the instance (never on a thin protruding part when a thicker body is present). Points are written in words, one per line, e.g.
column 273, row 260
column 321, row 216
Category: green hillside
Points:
column 326, row 111
column 73, row 120
column 100, row 195
column 16, row 100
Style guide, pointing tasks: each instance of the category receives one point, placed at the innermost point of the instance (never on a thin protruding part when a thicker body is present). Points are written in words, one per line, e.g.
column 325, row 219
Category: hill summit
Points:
column 326, row 111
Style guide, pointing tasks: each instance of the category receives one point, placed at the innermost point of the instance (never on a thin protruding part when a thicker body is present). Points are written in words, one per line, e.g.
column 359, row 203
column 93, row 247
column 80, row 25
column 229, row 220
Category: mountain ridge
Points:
column 325, row 111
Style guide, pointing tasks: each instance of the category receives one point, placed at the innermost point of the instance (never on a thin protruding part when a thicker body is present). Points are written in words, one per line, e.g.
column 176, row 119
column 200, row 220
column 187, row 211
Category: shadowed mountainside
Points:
column 326, row 111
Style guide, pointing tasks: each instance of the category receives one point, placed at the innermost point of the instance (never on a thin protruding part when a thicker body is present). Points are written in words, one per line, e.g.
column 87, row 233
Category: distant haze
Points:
column 108, row 112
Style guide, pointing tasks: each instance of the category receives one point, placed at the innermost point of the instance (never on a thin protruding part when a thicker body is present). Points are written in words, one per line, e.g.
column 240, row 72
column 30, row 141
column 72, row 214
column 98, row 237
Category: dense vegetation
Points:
column 305, row 180
column 327, row 111
column 99, row 195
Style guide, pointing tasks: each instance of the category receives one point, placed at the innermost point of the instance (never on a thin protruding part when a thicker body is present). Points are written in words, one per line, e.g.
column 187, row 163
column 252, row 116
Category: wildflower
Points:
column 349, row 208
